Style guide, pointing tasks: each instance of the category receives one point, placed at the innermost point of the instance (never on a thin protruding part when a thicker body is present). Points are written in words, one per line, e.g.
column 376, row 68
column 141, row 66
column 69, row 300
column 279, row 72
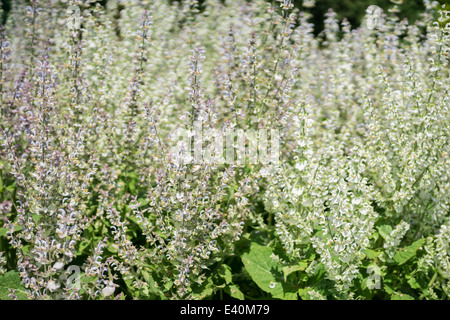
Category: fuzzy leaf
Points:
column 11, row 187
column 303, row 293
column 372, row 254
column 291, row 269
column 83, row 245
column 11, row 280
column 401, row 296
column 150, row 282
column 413, row 283
column 406, row 253
column 205, row 290
column 234, row 291
column 384, row 231
column 225, row 273
column 264, row 271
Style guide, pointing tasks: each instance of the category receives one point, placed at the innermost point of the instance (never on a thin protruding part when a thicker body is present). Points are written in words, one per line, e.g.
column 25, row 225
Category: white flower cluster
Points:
column 90, row 112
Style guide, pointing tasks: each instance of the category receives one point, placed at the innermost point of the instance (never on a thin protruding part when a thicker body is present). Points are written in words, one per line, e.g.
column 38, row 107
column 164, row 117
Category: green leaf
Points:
column 413, row 283
column 289, row 295
column 132, row 185
column 384, row 230
column 132, row 177
column 320, row 272
column 11, row 187
column 129, row 284
column 303, row 293
column 406, row 253
column 401, row 296
column 225, row 273
column 3, row 231
column 234, row 291
column 168, row 285
column 375, row 236
column 205, row 290
column 151, row 282
column 297, row 267
column 143, row 201
column 151, row 287
column 11, row 280
column 83, row 245
column 372, row 254
column 265, row 272
column 143, row 292
column 36, row 217
column 388, row 288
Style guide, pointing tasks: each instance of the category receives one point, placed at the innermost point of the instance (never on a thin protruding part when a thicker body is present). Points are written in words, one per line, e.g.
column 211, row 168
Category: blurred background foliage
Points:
column 353, row 10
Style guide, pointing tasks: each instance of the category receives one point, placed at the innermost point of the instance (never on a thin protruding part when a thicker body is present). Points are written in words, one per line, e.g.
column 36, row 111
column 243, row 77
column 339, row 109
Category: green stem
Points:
column 430, row 284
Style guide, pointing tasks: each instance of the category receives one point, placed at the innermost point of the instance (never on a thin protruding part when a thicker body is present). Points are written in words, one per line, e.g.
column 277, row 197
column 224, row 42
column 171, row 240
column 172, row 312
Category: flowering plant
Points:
column 167, row 150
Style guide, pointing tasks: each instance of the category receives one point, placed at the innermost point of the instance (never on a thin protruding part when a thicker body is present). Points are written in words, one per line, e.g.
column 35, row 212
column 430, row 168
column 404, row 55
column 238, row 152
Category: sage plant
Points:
column 171, row 149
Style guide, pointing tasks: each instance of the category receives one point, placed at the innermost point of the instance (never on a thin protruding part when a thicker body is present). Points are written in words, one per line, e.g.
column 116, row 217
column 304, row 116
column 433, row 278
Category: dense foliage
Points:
column 96, row 203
